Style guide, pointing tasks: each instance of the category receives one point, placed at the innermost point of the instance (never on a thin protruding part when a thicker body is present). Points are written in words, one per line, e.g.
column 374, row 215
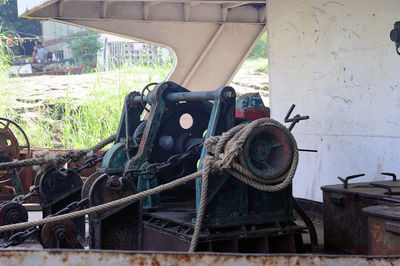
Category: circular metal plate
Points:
column 108, row 188
column 268, row 152
column 46, row 232
column 12, row 212
column 88, row 184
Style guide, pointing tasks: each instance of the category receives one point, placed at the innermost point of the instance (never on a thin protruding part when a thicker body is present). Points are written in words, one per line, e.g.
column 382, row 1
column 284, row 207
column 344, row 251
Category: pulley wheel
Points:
column 59, row 235
column 88, row 184
column 55, row 183
column 11, row 213
column 108, row 188
column 268, row 152
column 9, row 130
column 10, row 146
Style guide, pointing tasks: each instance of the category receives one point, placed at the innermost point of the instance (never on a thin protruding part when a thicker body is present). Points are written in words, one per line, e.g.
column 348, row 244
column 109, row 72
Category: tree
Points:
column 84, row 46
column 10, row 21
column 260, row 50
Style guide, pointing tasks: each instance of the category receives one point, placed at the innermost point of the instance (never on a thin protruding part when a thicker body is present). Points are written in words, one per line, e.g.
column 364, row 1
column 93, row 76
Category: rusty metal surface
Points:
column 88, row 184
column 365, row 189
column 345, row 225
column 383, row 230
column 172, row 231
column 268, row 152
column 119, row 228
column 33, row 258
column 10, row 149
column 60, row 235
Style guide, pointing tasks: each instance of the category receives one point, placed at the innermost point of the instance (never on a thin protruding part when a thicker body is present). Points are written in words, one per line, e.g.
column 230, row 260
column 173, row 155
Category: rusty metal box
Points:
column 383, row 230
column 345, row 225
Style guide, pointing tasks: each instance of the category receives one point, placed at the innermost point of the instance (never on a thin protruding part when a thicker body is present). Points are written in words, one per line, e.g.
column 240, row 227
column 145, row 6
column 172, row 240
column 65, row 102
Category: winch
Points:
column 169, row 145
column 243, row 204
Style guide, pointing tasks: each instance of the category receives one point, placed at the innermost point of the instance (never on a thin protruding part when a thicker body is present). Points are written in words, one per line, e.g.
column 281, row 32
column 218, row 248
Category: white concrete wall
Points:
column 335, row 61
column 58, row 32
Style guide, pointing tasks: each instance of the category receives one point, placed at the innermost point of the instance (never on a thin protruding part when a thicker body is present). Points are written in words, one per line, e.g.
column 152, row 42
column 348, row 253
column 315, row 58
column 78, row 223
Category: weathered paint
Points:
column 98, row 258
column 383, row 229
column 336, row 62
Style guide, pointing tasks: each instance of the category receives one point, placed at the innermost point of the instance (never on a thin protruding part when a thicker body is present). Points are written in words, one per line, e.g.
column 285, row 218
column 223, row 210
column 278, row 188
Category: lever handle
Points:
column 297, row 118
column 392, row 175
column 346, row 180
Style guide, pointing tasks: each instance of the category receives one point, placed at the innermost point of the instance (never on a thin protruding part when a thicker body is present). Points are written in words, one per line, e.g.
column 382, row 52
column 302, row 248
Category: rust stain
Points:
column 182, row 257
column 8, row 255
column 99, row 258
column 155, row 262
column 142, row 261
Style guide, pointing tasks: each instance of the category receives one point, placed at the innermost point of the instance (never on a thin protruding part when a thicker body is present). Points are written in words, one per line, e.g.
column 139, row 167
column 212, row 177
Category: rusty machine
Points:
column 14, row 144
column 160, row 138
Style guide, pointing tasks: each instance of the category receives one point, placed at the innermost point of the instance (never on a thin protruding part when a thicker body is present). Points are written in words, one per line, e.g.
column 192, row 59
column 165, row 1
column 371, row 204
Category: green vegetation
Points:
column 85, row 124
column 68, row 121
column 84, row 46
column 258, row 58
column 260, row 50
column 71, row 122
column 10, row 21
column 6, row 91
column 256, row 64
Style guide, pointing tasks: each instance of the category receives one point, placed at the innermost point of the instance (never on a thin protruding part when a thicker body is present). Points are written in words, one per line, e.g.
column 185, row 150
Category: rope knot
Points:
column 211, row 143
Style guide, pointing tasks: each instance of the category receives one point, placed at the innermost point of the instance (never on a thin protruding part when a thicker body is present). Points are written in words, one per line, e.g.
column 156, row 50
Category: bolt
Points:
column 61, row 234
column 14, row 218
column 114, row 182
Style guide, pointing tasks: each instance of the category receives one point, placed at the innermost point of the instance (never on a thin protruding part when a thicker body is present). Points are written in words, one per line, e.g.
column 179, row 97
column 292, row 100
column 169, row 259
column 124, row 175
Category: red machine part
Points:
column 252, row 113
column 250, row 106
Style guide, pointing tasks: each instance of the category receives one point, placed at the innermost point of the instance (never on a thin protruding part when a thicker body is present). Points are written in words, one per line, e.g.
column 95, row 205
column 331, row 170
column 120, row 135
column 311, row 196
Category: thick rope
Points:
column 48, row 159
column 224, row 152
column 207, row 163
column 102, row 207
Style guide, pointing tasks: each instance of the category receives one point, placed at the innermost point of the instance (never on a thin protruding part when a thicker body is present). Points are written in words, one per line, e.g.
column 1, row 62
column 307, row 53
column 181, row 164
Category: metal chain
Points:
column 73, row 206
column 20, row 237
column 22, row 198
column 90, row 163
column 174, row 160
column 154, row 168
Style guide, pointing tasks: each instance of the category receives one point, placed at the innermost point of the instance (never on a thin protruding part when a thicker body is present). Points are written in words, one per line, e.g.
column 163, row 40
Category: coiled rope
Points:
column 224, row 152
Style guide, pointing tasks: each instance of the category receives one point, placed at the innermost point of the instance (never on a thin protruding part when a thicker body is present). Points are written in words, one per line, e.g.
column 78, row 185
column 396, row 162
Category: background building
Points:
column 115, row 51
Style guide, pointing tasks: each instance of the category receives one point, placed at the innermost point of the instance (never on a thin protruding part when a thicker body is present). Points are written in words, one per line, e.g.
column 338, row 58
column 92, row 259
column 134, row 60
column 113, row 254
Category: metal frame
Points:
column 200, row 33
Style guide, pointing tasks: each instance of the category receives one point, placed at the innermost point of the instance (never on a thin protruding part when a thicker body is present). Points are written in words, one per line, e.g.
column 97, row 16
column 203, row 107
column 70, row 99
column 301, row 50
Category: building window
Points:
column 60, row 54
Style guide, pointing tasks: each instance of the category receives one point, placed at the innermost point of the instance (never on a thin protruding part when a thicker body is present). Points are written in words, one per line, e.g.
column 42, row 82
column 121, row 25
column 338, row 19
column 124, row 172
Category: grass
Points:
column 256, row 64
column 67, row 122
column 70, row 123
